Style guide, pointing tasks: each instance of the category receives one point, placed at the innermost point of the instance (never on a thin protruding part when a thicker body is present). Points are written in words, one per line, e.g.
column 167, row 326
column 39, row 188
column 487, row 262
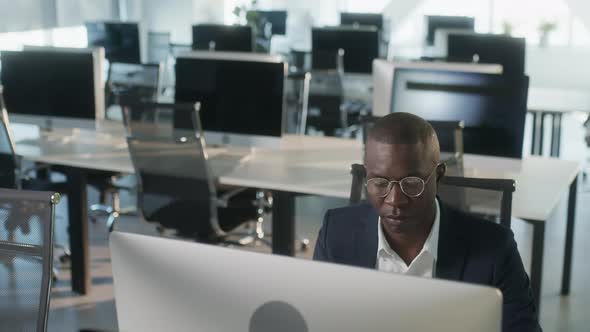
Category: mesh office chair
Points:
column 176, row 186
column 487, row 198
column 138, row 81
column 26, row 257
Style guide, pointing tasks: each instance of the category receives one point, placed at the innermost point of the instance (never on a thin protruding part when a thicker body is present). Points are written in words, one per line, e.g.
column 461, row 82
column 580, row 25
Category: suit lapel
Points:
column 452, row 250
column 366, row 240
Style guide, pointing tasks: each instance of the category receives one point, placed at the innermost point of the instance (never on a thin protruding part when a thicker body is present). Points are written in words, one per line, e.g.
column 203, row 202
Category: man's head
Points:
column 402, row 145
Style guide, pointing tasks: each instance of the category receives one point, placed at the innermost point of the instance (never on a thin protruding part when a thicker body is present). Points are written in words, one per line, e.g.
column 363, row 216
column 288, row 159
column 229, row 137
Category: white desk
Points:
column 554, row 102
column 303, row 165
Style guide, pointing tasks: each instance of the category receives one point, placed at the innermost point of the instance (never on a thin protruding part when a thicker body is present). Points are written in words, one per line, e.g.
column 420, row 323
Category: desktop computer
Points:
column 493, row 107
column 277, row 19
column 120, row 40
column 241, row 94
column 383, row 71
column 53, row 87
column 219, row 37
column 360, row 46
column 172, row 285
column 434, row 22
column 488, row 48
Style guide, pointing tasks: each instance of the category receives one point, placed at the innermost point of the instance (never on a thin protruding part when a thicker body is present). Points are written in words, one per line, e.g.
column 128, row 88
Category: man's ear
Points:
column 440, row 171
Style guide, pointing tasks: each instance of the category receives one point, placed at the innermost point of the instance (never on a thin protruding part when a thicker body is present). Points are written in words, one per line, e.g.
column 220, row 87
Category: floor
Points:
column 96, row 311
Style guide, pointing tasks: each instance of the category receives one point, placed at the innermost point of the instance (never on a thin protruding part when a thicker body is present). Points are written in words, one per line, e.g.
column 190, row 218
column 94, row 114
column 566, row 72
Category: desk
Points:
column 302, row 165
column 554, row 102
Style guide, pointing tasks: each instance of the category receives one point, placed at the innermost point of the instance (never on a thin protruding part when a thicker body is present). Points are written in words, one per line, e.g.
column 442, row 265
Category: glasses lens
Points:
column 412, row 186
column 377, row 187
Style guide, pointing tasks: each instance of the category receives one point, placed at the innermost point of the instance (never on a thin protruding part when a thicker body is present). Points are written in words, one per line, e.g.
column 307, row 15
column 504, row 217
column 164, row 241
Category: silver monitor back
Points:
column 383, row 77
column 172, row 285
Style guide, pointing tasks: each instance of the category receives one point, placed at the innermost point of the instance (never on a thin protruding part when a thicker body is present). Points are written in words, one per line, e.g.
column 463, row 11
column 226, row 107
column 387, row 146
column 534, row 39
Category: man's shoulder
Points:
column 350, row 214
column 477, row 230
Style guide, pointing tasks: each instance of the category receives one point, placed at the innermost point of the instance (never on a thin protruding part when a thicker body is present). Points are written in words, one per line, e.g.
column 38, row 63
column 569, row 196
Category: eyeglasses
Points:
column 411, row 186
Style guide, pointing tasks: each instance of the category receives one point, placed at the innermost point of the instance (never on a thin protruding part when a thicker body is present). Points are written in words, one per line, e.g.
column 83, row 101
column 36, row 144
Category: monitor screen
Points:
column 447, row 22
column 360, row 45
column 277, row 19
column 120, row 40
column 49, row 83
column 489, row 48
column 362, row 19
column 493, row 107
column 237, row 96
column 235, row 38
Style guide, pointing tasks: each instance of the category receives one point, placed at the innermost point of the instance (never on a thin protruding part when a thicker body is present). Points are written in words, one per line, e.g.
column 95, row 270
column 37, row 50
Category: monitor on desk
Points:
column 488, row 48
column 383, row 71
column 493, row 107
column 214, row 289
column 53, row 87
column 360, row 46
column 241, row 94
column 435, row 22
column 219, row 37
column 120, row 40
column 362, row 19
column 276, row 18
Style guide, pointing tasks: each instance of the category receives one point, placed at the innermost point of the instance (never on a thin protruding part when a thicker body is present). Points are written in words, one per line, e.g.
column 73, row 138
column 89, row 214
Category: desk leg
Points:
column 537, row 261
column 569, row 238
column 283, row 223
column 555, row 135
column 78, row 230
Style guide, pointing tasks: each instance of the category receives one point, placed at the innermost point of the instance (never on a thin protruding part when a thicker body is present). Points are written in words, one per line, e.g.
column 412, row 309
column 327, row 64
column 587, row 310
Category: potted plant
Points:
column 544, row 29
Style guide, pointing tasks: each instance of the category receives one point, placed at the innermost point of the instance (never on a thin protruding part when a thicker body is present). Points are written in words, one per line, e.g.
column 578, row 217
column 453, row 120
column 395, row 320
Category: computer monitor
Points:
column 489, row 48
column 277, row 19
column 214, row 289
column 362, row 19
column 241, row 94
column 360, row 45
column 120, row 40
column 383, row 71
column 219, row 37
column 53, row 87
column 446, row 22
column 493, row 107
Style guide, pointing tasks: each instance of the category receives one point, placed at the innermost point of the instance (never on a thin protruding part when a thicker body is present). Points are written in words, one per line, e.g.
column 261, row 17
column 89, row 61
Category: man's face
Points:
column 395, row 162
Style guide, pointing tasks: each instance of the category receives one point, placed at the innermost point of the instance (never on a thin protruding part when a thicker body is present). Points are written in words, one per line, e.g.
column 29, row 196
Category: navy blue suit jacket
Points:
column 469, row 249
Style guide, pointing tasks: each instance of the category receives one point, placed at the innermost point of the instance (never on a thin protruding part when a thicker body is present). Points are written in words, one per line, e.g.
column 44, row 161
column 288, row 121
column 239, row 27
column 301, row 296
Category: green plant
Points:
column 547, row 26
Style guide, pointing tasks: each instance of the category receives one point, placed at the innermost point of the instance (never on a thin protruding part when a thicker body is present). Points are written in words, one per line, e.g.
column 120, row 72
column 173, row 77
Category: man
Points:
column 405, row 229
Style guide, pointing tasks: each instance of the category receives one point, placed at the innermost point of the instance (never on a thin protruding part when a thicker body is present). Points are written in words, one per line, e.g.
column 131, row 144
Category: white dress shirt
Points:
column 423, row 265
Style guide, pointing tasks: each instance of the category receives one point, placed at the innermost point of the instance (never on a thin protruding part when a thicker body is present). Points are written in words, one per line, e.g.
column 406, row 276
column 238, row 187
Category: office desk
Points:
column 554, row 102
column 303, row 165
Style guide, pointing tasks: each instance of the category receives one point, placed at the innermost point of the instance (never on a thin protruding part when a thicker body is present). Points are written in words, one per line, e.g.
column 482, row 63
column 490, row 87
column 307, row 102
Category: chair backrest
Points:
column 26, row 258
column 141, row 81
column 450, row 133
column 8, row 160
column 487, row 198
column 175, row 185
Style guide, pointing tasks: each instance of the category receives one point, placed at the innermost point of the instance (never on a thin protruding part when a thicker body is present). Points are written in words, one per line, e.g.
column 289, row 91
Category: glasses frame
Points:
column 391, row 183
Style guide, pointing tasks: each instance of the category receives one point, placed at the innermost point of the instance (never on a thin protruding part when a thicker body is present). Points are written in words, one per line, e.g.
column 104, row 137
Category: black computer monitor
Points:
column 360, row 45
column 362, row 19
column 277, row 19
column 447, row 22
column 120, row 40
column 489, row 48
column 219, row 37
column 50, row 84
column 241, row 95
column 493, row 107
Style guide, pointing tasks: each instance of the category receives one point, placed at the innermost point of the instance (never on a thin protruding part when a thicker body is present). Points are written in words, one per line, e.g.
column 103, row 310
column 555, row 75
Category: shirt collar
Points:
column 431, row 244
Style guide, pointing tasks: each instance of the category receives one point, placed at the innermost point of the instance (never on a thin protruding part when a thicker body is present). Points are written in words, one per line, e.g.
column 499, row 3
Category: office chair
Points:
column 486, row 198
column 449, row 133
column 298, row 101
column 26, row 258
column 138, row 81
column 176, row 186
